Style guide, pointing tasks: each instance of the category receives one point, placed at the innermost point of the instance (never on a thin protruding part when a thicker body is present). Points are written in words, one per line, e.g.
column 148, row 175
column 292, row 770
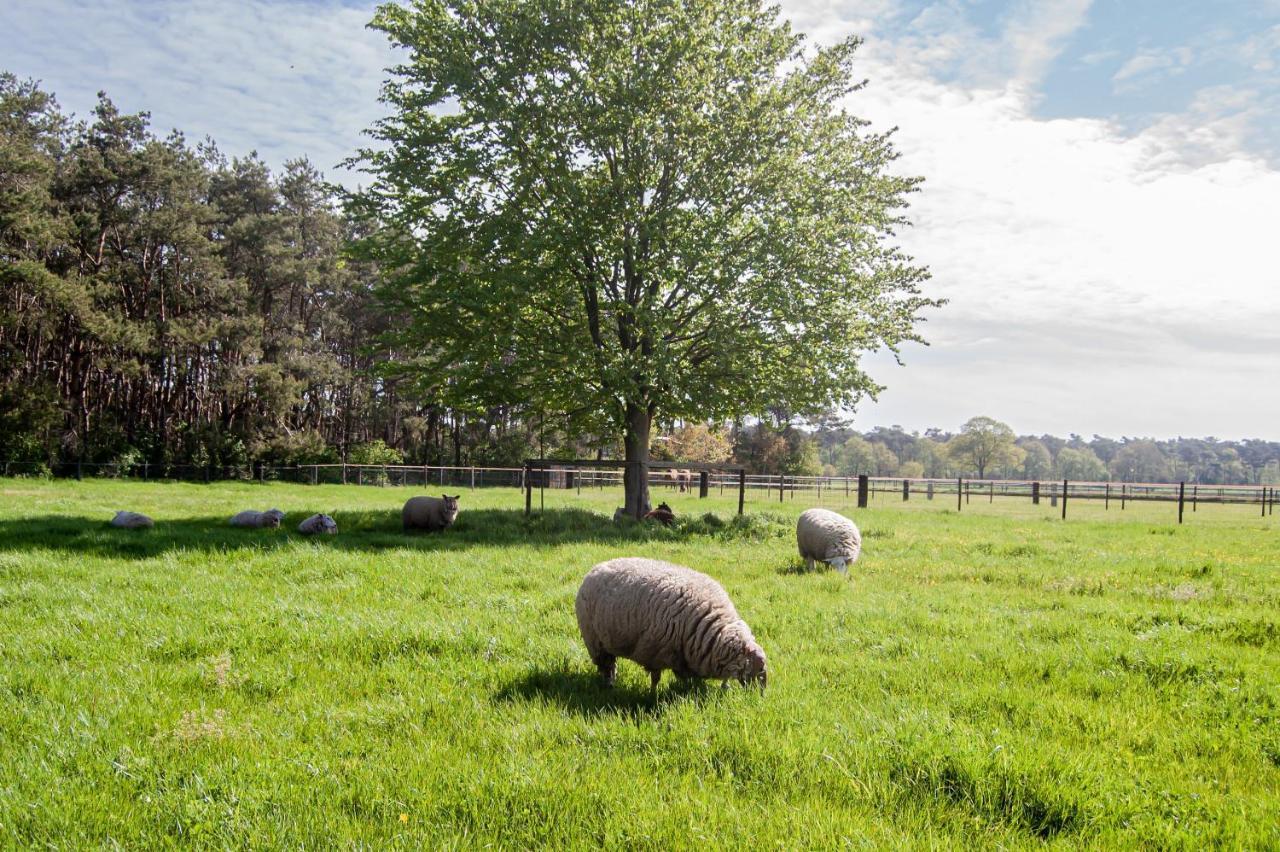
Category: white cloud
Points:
column 1147, row 66
column 1099, row 280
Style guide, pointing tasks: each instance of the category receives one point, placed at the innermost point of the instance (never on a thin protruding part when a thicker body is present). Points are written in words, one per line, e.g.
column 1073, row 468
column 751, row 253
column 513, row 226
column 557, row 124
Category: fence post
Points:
column 315, row 474
column 473, row 479
column 1035, row 494
column 144, row 471
column 1124, row 492
column 992, row 494
column 704, row 482
column 862, row 490
column 1182, row 493
column 906, row 489
column 929, row 489
column 1264, row 502
column 1064, row 499
column 782, row 487
column 1106, row 500
column 527, row 480
column 959, row 493
column 742, row 489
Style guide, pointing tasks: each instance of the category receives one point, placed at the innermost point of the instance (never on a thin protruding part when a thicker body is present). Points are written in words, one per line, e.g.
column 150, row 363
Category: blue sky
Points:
column 1102, row 177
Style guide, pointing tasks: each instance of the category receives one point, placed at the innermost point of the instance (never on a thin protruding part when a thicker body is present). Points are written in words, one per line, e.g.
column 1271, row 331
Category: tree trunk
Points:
column 636, row 476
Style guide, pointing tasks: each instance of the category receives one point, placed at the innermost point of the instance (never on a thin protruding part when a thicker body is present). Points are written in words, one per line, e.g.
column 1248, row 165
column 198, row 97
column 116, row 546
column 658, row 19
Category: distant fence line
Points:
column 864, row 488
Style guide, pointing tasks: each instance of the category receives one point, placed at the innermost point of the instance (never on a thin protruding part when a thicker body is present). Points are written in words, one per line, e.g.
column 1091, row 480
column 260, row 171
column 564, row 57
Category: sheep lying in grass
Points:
column 132, row 521
column 664, row 616
column 433, row 514
column 250, row 519
column 318, row 524
column 662, row 515
column 825, row 536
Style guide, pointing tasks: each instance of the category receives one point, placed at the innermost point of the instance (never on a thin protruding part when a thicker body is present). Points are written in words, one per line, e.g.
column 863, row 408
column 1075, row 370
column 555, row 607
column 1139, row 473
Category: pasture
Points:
column 985, row 678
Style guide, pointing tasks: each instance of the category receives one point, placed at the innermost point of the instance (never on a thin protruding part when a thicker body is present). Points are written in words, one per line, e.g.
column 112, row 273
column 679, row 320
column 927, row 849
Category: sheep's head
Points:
column 745, row 661
column 450, row 508
column 272, row 517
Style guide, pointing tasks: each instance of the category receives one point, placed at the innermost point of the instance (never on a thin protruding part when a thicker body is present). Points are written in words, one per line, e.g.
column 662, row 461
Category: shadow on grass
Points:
column 361, row 531
column 582, row 692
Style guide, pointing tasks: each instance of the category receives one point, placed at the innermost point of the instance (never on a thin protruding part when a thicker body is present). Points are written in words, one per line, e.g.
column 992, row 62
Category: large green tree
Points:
column 614, row 210
column 984, row 443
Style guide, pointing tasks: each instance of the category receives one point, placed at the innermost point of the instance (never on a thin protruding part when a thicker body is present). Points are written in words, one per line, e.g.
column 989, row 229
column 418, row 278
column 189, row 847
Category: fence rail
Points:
column 554, row 475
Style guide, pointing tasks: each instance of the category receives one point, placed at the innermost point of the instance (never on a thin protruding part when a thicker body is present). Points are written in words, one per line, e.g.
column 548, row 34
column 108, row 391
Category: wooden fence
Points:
column 579, row 474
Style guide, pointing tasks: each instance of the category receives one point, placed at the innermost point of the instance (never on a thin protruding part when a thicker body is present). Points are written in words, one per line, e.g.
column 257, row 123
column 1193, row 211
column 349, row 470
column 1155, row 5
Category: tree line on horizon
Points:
column 165, row 303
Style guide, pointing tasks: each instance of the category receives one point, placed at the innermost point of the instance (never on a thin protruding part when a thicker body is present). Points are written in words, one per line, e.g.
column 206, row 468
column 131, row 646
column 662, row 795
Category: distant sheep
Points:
column 664, row 616
column 250, row 519
column 132, row 521
column 829, row 537
column 318, row 524
column 433, row 514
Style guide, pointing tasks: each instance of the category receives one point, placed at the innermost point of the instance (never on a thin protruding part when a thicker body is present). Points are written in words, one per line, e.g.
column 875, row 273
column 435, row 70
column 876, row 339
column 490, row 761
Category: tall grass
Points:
column 994, row 677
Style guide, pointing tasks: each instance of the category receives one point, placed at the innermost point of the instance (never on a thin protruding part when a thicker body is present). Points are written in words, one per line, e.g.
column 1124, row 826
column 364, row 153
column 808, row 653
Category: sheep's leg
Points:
column 808, row 562
column 654, row 677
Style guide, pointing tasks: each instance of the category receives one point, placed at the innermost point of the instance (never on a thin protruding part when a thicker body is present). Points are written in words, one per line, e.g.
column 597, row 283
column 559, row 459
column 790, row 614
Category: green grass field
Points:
column 995, row 677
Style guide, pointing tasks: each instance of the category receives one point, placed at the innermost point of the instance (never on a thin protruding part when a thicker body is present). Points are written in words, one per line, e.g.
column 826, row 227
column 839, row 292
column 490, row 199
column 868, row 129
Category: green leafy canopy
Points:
column 600, row 208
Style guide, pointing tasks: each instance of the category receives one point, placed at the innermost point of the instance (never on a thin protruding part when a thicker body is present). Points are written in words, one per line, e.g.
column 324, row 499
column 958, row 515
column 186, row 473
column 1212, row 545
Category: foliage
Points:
column 699, row 442
column 985, row 443
column 651, row 208
column 1080, row 465
column 374, row 452
column 1140, row 461
column 1037, row 463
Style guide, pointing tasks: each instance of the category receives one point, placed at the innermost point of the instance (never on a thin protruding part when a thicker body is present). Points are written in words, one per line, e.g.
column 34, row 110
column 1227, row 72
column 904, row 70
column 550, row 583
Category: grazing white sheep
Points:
column 664, row 616
column 132, row 521
column 829, row 537
column 318, row 524
column 269, row 519
column 433, row 514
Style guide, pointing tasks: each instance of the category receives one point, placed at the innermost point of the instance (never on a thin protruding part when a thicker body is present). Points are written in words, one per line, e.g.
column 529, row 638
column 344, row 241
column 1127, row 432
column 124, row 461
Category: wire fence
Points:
column 959, row 492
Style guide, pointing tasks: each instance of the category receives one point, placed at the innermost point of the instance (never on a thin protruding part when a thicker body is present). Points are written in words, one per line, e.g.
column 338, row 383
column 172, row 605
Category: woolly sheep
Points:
column 131, row 521
column 664, row 616
column 826, row 536
column 258, row 520
column 318, row 524
column 433, row 514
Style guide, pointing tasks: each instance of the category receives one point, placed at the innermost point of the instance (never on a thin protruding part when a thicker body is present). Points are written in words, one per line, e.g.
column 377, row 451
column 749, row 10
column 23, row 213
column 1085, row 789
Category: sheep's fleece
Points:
column 433, row 514
column 825, row 536
column 664, row 616
column 256, row 520
column 318, row 524
column 131, row 521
